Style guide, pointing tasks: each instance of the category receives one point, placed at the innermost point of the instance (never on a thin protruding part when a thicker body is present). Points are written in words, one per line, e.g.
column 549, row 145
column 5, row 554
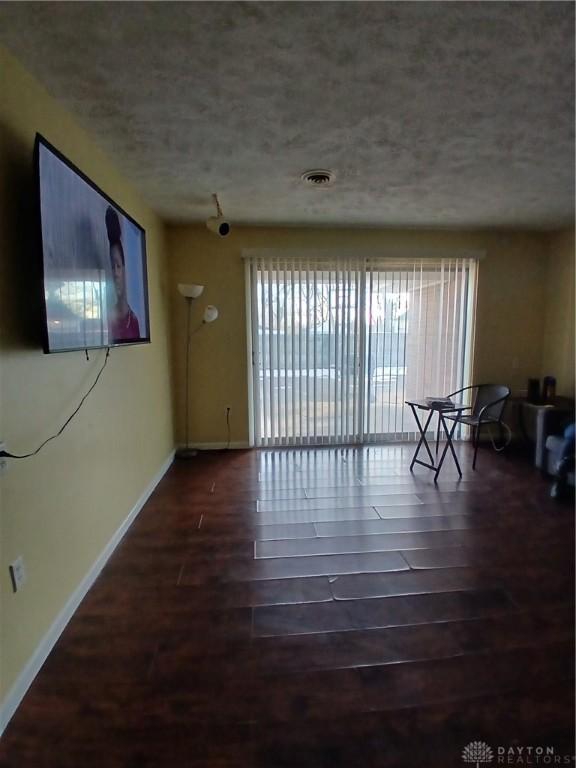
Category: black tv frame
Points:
column 45, row 339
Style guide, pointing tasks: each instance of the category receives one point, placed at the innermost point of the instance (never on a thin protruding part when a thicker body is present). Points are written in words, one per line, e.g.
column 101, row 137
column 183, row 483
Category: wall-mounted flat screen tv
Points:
column 94, row 261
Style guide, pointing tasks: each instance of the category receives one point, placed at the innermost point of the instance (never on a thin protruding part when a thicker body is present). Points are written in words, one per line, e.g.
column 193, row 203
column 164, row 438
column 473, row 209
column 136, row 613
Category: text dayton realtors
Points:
column 531, row 756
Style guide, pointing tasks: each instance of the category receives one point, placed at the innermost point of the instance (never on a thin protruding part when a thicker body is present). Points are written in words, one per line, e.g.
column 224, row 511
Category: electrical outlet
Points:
column 18, row 573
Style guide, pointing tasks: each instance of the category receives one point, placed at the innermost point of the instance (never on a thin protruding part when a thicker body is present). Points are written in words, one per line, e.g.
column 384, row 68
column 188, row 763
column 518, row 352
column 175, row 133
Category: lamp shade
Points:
column 210, row 314
column 190, row 291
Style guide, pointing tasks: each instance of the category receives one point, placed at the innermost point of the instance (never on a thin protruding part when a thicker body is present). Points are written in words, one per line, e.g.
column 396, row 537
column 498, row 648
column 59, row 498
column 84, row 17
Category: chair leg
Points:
column 501, row 433
column 437, row 436
column 476, row 442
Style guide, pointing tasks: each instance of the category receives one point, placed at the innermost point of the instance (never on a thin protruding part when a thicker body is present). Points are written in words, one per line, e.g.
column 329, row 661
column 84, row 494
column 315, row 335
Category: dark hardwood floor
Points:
column 318, row 608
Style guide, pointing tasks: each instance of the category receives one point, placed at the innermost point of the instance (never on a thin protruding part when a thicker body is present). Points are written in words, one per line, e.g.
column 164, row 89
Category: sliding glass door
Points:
column 306, row 335
column 337, row 346
column 419, row 339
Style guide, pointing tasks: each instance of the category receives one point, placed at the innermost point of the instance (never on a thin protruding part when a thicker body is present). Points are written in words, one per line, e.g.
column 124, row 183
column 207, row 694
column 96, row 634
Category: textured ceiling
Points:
column 431, row 113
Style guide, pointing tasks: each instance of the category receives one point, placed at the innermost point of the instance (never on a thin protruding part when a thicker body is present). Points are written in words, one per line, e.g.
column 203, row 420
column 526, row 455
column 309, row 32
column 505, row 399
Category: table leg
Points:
column 422, row 436
column 454, row 425
column 449, row 434
column 438, row 434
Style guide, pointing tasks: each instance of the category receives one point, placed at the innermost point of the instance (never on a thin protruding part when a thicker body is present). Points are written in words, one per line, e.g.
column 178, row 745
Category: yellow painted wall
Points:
column 511, row 291
column 558, row 354
column 60, row 508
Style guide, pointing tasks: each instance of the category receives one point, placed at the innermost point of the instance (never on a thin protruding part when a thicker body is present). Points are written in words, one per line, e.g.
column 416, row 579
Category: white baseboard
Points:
column 239, row 444
column 35, row 662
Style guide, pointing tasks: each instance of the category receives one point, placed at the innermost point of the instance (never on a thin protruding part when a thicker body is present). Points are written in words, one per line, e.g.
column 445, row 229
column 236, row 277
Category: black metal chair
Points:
column 488, row 407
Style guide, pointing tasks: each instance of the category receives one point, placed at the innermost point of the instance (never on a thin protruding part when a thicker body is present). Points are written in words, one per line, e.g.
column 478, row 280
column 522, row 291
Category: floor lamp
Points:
column 191, row 292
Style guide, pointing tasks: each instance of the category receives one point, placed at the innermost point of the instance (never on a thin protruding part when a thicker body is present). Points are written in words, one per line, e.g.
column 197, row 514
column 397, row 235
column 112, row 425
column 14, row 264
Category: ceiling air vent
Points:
column 318, row 178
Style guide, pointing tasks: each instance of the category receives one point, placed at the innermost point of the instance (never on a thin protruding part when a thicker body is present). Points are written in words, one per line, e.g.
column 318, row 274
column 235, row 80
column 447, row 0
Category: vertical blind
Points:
column 338, row 345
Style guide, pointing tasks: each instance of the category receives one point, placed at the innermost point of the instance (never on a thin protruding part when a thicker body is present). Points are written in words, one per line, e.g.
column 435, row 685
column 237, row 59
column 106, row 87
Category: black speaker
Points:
column 548, row 389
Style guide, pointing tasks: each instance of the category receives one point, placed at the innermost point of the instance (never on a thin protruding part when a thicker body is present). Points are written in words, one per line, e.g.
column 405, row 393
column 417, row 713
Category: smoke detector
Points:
column 318, row 178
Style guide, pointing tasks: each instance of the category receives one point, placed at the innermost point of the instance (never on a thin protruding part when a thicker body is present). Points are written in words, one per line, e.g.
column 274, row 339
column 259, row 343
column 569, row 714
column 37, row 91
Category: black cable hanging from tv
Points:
column 6, row 455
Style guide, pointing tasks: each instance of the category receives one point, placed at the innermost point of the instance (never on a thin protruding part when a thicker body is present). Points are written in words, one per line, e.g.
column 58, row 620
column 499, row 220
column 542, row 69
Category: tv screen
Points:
column 94, row 261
